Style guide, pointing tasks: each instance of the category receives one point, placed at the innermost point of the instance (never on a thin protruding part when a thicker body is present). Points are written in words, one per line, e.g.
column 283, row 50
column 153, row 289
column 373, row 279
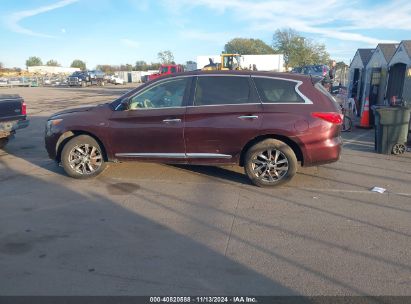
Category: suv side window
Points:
column 277, row 90
column 163, row 95
column 221, row 90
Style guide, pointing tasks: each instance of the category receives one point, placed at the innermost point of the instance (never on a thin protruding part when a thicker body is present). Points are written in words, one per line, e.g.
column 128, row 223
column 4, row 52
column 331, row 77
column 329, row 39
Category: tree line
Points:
column 164, row 57
column 297, row 50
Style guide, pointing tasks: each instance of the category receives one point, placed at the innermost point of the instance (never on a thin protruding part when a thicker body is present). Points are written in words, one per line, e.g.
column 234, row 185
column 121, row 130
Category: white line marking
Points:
column 347, row 191
column 355, row 138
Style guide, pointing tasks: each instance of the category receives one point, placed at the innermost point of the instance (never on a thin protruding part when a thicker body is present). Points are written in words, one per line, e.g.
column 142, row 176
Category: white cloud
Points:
column 340, row 20
column 12, row 21
column 130, row 43
column 205, row 36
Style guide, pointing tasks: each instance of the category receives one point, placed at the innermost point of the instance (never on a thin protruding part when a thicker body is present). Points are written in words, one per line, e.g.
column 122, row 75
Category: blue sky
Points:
column 124, row 31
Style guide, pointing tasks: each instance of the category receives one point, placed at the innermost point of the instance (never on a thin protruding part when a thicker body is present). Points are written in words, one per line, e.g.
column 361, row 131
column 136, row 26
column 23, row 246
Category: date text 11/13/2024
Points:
column 203, row 299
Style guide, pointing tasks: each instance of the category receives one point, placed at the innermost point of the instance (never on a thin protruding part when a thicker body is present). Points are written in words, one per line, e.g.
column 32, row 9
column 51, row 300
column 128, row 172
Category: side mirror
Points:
column 124, row 105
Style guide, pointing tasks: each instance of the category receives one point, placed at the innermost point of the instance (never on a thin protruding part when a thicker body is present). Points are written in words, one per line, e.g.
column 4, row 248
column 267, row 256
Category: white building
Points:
column 399, row 73
column 273, row 62
column 134, row 76
column 45, row 69
column 375, row 77
column 357, row 74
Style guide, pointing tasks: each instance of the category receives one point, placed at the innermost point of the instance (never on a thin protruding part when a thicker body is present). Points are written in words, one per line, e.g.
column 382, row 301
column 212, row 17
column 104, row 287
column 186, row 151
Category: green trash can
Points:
column 391, row 129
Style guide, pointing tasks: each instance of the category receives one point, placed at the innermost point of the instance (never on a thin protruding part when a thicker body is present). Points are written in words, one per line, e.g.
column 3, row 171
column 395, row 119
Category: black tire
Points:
column 276, row 169
column 79, row 165
column 3, row 142
column 398, row 149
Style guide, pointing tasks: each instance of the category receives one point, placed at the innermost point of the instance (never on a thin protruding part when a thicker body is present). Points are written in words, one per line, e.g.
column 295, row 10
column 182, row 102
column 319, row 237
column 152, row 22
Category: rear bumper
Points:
column 9, row 127
column 324, row 152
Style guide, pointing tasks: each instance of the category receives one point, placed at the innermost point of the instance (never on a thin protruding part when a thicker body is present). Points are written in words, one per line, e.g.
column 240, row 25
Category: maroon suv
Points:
column 266, row 122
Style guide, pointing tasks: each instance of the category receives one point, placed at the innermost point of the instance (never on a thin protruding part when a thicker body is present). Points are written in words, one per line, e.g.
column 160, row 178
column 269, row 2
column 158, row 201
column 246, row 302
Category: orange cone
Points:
column 365, row 118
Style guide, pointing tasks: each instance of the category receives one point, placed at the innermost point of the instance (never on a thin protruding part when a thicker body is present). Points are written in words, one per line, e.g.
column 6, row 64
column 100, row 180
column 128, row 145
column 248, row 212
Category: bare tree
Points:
column 52, row 62
column 34, row 61
column 166, row 57
column 299, row 50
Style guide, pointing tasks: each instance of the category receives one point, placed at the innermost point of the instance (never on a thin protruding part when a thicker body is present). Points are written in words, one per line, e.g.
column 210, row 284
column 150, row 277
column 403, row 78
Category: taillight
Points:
column 333, row 117
column 324, row 71
column 23, row 108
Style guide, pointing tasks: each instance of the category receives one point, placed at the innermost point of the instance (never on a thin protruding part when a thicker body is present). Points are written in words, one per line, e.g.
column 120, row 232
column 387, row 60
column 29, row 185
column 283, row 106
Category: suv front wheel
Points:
column 270, row 163
column 82, row 157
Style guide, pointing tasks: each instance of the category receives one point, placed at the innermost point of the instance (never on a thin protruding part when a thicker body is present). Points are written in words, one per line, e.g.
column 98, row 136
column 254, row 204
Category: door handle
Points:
column 248, row 117
column 171, row 120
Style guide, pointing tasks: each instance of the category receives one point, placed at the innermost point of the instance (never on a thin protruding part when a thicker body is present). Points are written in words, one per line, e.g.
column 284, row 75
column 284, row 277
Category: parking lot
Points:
column 150, row 229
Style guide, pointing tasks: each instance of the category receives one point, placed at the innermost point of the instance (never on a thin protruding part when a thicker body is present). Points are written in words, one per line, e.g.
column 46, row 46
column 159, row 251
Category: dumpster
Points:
column 391, row 129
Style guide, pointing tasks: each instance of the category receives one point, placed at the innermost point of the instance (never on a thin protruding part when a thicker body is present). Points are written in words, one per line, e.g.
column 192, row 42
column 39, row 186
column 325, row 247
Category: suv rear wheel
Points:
column 270, row 163
column 82, row 157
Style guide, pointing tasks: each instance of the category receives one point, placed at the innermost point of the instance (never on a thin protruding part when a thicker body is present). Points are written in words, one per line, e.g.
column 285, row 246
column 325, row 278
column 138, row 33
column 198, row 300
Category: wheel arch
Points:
column 291, row 143
column 66, row 136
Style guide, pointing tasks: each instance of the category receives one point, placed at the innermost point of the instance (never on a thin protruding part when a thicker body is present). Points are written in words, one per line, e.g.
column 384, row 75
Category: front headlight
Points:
column 51, row 123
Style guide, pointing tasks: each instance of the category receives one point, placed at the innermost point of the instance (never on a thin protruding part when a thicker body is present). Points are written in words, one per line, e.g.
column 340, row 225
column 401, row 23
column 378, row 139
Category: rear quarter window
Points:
column 277, row 91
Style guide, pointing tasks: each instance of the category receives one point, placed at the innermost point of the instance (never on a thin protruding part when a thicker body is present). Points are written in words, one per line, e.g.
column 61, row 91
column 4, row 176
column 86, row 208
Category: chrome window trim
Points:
column 139, row 109
column 227, row 104
column 174, row 155
column 223, row 75
column 296, row 88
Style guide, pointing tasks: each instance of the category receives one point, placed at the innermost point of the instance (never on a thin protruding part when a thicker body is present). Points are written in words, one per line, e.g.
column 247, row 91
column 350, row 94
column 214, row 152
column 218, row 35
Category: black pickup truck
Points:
column 13, row 116
column 86, row 78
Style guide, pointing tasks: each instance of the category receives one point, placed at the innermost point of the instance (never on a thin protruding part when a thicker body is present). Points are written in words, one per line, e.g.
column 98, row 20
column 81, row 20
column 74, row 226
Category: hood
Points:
column 75, row 110
column 81, row 109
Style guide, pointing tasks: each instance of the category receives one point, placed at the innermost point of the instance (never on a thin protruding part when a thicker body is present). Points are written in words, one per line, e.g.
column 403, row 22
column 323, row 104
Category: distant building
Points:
column 399, row 73
column 273, row 62
column 192, row 66
column 134, row 76
column 357, row 73
column 45, row 69
column 376, row 72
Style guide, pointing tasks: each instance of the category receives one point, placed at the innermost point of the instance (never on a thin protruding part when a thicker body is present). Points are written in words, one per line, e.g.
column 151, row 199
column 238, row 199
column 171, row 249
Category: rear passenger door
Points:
column 225, row 113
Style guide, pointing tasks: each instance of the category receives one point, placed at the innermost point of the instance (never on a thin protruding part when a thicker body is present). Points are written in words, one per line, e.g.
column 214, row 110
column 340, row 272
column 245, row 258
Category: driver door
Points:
column 152, row 127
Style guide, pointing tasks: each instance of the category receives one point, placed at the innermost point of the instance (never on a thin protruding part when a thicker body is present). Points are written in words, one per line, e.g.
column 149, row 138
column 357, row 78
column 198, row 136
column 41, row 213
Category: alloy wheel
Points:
column 85, row 159
column 399, row 149
column 270, row 165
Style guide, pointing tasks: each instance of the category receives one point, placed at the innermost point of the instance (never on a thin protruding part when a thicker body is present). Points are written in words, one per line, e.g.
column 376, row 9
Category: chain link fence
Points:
column 341, row 76
column 33, row 81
